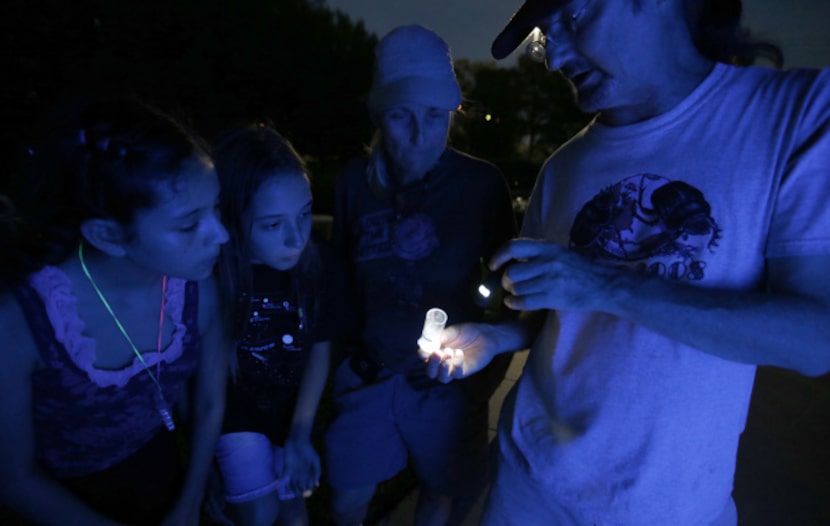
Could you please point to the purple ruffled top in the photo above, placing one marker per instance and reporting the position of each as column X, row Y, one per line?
column 87, row 419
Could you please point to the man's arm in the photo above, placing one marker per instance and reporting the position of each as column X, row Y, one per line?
column 788, row 325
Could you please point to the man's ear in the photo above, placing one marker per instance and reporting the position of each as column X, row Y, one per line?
column 106, row 235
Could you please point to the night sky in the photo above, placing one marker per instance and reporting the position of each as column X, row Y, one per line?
column 469, row 26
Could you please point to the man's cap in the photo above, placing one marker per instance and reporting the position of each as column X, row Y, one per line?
column 523, row 21
column 413, row 65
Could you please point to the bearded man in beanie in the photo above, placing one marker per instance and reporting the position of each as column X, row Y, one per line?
column 414, row 219
column 678, row 241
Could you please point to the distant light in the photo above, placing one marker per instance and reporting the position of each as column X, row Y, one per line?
column 488, row 117
column 484, row 291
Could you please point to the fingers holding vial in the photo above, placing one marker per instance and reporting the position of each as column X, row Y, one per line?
column 443, row 363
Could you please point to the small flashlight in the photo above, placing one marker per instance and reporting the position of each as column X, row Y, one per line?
column 489, row 284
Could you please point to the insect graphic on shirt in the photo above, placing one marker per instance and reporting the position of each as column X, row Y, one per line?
column 642, row 217
column 681, row 211
column 597, row 229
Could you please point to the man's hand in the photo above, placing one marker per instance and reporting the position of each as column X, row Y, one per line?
column 544, row 275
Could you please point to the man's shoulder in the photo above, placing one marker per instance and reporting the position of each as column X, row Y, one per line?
column 780, row 82
column 575, row 146
column 808, row 82
column 798, row 97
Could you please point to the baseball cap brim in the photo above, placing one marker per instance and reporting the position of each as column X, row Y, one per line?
column 523, row 21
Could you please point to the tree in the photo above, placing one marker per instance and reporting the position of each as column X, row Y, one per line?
column 547, row 108
column 515, row 117
column 487, row 125
column 295, row 61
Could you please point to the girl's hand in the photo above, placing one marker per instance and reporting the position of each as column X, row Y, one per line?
column 302, row 466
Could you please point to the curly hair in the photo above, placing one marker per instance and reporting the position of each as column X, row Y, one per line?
column 718, row 34
column 105, row 158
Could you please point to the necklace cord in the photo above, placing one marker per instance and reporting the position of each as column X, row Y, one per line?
column 165, row 413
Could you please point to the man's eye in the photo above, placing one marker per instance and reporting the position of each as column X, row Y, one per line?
column 189, row 228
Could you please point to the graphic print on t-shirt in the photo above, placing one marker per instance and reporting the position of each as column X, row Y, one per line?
column 649, row 223
column 271, row 353
column 383, row 234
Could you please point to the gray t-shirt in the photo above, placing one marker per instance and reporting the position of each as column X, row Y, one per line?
column 620, row 424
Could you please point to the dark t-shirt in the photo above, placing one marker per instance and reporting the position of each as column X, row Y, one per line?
column 419, row 246
column 278, row 335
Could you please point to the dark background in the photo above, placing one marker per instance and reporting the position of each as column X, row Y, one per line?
column 307, row 68
column 215, row 63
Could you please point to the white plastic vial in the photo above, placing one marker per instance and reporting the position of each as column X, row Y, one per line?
column 430, row 340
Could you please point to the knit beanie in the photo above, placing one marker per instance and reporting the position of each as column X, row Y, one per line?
column 413, row 65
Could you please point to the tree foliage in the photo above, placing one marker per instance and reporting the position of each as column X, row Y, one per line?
column 295, row 61
column 520, row 112
column 304, row 66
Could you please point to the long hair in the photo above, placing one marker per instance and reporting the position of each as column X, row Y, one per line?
column 245, row 158
column 101, row 159
column 718, row 34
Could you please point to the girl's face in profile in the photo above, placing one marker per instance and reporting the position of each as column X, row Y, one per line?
column 180, row 236
column 280, row 219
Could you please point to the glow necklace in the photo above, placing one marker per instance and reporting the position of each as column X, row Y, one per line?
column 161, row 403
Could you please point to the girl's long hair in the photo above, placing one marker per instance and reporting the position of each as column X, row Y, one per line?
column 245, row 158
